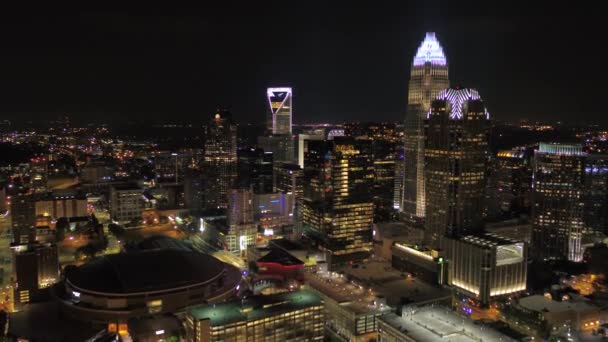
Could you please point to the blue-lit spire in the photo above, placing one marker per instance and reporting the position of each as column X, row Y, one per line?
column 430, row 51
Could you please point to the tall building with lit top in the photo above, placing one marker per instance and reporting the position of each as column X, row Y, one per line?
column 279, row 102
column 428, row 76
column 220, row 159
column 558, row 202
column 456, row 151
column 337, row 209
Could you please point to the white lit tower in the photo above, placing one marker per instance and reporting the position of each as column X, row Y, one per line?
column 279, row 101
column 429, row 75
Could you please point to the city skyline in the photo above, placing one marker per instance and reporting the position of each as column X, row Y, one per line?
column 306, row 173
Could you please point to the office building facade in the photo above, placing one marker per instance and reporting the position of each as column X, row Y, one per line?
column 596, row 193
column 337, row 209
column 126, row 202
column 281, row 147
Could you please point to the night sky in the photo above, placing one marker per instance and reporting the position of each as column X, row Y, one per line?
column 345, row 62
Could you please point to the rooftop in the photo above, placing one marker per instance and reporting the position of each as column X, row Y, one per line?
column 345, row 293
column 144, row 271
column 565, row 149
column 542, row 303
column 489, row 239
column 279, row 256
column 126, row 186
column 440, row 323
column 255, row 307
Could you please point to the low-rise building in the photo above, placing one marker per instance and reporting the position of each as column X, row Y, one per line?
column 291, row 316
column 579, row 315
column 486, row 266
column 433, row 323
column 350, row 309
column 61, row 204
column 424, row 263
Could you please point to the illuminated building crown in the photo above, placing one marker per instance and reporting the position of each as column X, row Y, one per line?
column 457, row 97
column 430, row 51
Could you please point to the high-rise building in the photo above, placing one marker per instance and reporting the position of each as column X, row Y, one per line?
column 273, row 211
column 337, row 209
column 558, row 202
column 596, row 193
column 291, row 316
column 429, row 75
column 511, row 182
column 242, row 228
column 399, row 174
column 194, row 189
column 384, row 176
column 280, row 110
column 35, row 267
column 23, row 211
column 288, row 179
column 456, row 152
column 220, row 159
column 255, row 170
column 126, row 202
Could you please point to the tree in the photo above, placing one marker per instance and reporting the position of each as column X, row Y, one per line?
column 117, row 230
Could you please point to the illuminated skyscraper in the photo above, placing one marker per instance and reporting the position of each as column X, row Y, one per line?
column 558, row 202
column 220, row 159
column 279, row 101
column 456, row 151
column 338, row 206
column 429, row 75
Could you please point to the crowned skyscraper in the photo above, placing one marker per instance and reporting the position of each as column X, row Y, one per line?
column 456, row 150
column 429, row 75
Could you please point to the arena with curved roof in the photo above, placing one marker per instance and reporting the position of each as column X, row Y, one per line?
column 114, row 288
